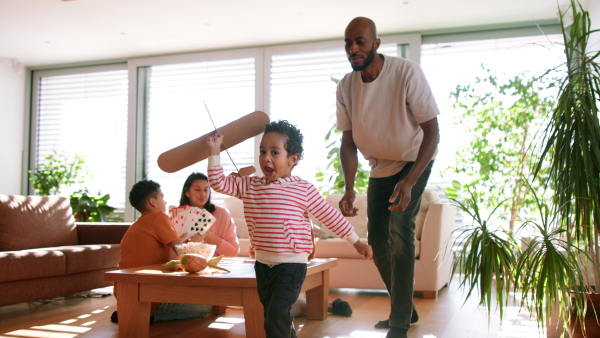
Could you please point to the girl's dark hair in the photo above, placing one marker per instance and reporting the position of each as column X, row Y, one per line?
column 294, row 136
column 141, row 192
column 184, row 200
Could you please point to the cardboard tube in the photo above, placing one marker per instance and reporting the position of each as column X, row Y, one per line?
column 196, row 150
column 245, row 171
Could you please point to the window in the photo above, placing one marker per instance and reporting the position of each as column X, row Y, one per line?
column 178, row 96
column 84, row 111
column 450, row 64
column 303, row 87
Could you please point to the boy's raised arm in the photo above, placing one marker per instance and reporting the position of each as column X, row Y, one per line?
column 214, row 143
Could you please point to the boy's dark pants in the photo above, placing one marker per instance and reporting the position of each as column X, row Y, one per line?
column 278, row 289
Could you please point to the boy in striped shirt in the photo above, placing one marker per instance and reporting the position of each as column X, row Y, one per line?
column 276, row 208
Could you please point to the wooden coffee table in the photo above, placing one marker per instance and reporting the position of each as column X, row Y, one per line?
column 138, row 287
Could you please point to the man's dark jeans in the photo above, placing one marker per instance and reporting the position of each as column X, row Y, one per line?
column 392, row 236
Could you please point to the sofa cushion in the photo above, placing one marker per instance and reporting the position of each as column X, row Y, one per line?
column 101, row 233
column 359, row 222
column 427, row 199
column 235, row 206
column 31, row 264
column 29, row 222
column 81, row 258
column 336, row 247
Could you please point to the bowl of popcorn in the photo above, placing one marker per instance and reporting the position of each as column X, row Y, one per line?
column 206, row 250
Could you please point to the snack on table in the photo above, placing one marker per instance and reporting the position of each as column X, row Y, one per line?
column 174, row 265
column 194, row 262
column 206, row 250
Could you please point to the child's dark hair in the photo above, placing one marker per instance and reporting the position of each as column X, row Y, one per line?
column 294, row 136
column 141, row 192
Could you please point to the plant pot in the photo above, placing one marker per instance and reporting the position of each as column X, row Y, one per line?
column 592, row 328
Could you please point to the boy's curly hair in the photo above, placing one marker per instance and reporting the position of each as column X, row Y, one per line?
column 294, row 136
column 141, row 192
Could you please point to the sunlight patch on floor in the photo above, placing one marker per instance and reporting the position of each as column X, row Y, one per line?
column 65, row 329
column 518, row 323
column 230, row 320
column 39, row 334
column 61, row 328
column 367, row 334
column 225, row 323
column 221, row 326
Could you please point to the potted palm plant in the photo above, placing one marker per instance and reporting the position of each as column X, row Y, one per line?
column 570, row 140
column 549, row 273
column 487, row 253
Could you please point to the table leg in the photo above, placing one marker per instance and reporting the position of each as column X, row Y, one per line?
column 134, row 316
column 253, row 314
column 318, row 297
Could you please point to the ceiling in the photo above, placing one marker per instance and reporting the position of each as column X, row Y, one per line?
column 55, row 32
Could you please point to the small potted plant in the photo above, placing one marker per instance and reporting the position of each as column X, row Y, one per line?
column 90, row 208
column 59, row 170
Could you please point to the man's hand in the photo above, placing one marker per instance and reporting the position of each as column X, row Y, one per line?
column 347, row 204
column 214, row 143
column 364, row 250
column 402, row 190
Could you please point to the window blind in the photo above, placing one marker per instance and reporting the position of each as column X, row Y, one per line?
column 86, row 114
column 176, row 114
column 303, row 87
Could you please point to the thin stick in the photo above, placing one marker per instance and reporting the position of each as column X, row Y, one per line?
column 213, row 123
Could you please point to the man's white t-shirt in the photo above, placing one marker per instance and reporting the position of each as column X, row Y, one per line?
column 384, row 115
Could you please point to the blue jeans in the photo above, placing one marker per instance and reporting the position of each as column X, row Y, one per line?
column 392, row 236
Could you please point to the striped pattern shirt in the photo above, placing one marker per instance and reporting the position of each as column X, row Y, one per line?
column 277, row 214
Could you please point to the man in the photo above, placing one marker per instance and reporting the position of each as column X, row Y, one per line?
column 386, row 110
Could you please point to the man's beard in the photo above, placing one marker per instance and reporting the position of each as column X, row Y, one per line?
column 367, row 62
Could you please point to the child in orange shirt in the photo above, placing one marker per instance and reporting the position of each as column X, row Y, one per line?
column 150, row 240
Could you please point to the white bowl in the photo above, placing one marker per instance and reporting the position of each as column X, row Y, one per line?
column 206, row 250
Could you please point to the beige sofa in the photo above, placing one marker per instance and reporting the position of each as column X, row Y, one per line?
column 435, row 224
column 45, row 254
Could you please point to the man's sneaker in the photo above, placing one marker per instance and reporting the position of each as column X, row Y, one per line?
column 385, row 324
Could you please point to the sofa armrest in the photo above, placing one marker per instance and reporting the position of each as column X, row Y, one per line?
column 437, row 233
column 101, row 232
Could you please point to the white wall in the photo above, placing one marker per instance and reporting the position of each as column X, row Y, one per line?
column 12, row 106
